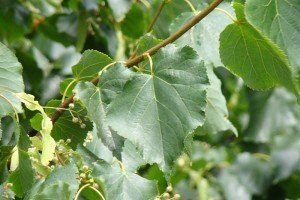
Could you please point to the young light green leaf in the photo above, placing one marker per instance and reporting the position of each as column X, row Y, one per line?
column 204, row 36
column 158, row 109
column 48, row 142
column 11, row 81
column 279, row 21
column 246, row 53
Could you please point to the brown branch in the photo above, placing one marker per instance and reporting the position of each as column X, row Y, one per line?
column 131, row 62
column 176, row 35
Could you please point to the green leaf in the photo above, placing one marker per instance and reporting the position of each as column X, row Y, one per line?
column 90, row 64
column 90, row 96
column 246, row 53
column 204, row 36
column 279, row 21
column 112, row 82
column 158, row 109
column 96, row 148
column 64, row 128
column 36, row 122
column 66, row 87
column 120, row 184
column 216, row 110
column 48, row 142
column 23, row 177
column 132, row 157
column 62, row 184
column 135, row 22
column 96, row 98
column 10, row 82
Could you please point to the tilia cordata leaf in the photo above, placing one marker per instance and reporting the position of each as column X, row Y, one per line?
column 253, row 57
column 162, row 105
column 11, row 81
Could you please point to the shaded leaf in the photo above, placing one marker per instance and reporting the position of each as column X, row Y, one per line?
column 23, row 177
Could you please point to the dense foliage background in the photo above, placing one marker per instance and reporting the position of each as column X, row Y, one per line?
column 247, row 148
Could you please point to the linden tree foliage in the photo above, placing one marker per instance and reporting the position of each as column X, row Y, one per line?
column 149, row 99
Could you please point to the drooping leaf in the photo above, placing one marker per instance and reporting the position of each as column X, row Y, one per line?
column 10, row 82
column 120, row 184
column 216, row 110
column 246, row 53
column 279, row 21
column 90, row 96
column 204, row 36
column 158, row 109
column 48, row 142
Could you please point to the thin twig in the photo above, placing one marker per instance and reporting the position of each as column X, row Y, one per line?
column 196, row 19
column 160, row 7
column 131, row 62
